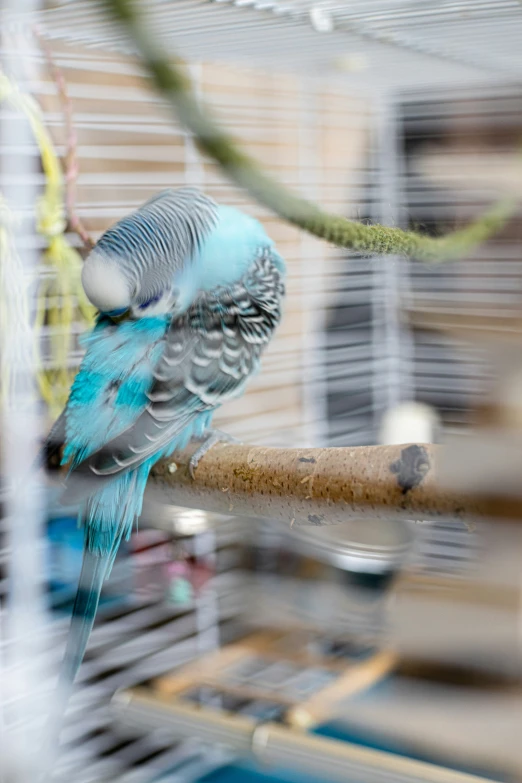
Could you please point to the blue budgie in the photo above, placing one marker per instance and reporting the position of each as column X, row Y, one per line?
column 189, row 295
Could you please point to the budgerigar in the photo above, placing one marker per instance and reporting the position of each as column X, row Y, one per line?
column 189, row 295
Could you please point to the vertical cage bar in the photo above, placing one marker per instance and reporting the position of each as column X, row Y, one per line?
column 313, row 338
column 393, row 372
column 23, row 664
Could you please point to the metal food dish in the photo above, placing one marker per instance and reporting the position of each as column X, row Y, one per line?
column 365, row 545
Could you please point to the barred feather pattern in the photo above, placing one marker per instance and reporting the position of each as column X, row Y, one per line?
column 160, row 237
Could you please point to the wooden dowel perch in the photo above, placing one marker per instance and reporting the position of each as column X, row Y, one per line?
column 317, row 486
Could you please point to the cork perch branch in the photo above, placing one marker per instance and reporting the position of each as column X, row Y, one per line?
column 319, row 486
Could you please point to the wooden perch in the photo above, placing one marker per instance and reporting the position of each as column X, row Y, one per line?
column 319, row 486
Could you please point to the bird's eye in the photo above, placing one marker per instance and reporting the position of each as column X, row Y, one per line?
column 144, row 305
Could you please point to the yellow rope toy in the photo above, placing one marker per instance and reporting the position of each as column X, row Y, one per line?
column 57, row 290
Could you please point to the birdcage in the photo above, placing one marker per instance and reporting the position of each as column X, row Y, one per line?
column 383, row 111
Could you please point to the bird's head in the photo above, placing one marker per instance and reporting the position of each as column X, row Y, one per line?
column 142, row 265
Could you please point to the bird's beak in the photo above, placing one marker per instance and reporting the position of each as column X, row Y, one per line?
column 119, row 315
column 119, row 318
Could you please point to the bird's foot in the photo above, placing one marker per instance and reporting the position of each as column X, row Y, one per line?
column 211, row 438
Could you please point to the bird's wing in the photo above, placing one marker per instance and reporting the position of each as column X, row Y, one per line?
column 110, row 391
column 209, row 354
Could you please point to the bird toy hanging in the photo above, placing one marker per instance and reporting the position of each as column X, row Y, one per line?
column 60, row 299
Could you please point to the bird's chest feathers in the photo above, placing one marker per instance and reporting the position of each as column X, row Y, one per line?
column 111, row 388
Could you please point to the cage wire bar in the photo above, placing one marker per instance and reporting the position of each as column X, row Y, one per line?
column 207, row 603
column 24, row 669
column 392, row 369
column 313, row 331
column 374, row 43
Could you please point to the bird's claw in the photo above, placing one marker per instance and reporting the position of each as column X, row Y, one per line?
column 212, row 437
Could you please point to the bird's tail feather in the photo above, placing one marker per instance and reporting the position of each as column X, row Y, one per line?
column 94, row 570
column 93, row 573
column 119, row 500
